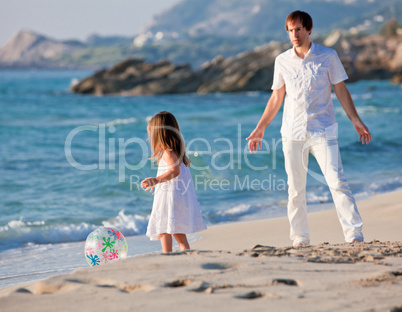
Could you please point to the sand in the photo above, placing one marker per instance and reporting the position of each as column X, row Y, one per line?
column 247, row 266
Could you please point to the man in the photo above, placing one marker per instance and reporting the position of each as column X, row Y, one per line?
column 305, row 74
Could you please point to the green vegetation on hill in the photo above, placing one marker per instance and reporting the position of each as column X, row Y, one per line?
column 194, row 50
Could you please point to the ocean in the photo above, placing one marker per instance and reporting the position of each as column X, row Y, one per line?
column 70, row 163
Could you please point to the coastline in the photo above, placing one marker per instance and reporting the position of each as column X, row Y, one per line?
column 224, row 271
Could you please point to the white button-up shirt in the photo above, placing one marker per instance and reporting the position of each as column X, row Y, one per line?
column 308, row 105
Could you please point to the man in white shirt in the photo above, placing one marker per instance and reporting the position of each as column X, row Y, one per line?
column 305, row 74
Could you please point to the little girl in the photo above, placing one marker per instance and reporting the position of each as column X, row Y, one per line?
column 175, row 210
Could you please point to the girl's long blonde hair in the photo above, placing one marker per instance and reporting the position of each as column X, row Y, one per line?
column 164, row 134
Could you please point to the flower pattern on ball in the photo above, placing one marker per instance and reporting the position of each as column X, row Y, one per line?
column 105, row 245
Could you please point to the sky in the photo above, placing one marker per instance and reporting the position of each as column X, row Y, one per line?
column 77, row 19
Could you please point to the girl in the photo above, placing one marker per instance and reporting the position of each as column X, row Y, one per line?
column 175, row 210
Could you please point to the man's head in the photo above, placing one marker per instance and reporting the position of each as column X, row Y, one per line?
column 299, row 26
column 302, row 17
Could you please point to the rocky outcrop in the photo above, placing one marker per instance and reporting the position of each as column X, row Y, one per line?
column 372, row 57
column 250, row 71
column 28, row 49
column 134, row 76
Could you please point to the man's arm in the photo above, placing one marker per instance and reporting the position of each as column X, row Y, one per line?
column 344, row 97
column 272, row 108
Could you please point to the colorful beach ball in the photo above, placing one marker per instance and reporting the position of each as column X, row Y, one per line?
column 105, row 245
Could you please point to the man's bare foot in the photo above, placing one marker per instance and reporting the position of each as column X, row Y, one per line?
column 299, row 244
column 356, row 241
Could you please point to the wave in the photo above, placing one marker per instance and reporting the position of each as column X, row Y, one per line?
column 128, row 224
column 321, row 197
column 18, row 233
column 254, row 93
column 236, row 212
column 370, row 110
column 381, row 186
column 120, row 121
column 243, row 212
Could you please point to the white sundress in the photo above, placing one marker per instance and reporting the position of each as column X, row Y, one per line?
column 175, row 209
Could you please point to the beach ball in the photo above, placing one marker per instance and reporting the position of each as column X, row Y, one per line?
column 105, row 245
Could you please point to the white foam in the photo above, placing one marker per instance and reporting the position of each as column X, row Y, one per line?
column 18, row 233
column 318, row 198
column 382, row 186
column 128, row 224
column 253, row 93
column 121, row 121
column 74, row 82
column 243, row 211
column 236, row 211
column 370, row 109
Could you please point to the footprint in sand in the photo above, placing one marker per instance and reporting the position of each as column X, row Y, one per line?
column 218, row 266
column 251, row 295
column 178, row 283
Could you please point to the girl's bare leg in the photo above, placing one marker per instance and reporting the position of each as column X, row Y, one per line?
column 166, row 242
column 182, row 241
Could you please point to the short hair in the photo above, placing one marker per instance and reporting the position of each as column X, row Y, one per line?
column 301, row 16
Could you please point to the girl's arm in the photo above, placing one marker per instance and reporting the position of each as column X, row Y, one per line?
column 173, row 163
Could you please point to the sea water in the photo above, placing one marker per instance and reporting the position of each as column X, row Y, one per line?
column 70, row 163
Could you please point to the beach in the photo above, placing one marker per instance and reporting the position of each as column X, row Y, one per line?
column 243, row 266
column 68, row 169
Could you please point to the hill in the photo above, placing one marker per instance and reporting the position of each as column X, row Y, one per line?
column 28, row 49
column 256, row 17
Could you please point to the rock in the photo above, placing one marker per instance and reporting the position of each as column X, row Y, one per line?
column 396, row 61
column 134, row 76
column 249, row 71
column 397, row 79
column 371, row 57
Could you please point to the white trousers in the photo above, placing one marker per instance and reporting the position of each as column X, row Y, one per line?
column 326, row 152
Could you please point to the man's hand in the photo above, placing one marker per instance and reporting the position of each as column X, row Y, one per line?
column 272, row 108
column 344, row 97
column 254, row 140
column 363, row 131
